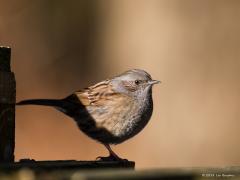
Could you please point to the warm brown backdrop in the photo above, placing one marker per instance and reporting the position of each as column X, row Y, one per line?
column 192, row 46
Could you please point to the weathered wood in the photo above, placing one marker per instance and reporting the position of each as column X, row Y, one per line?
column 65, row 165
column 7, row 107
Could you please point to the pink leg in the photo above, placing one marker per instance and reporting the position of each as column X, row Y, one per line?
column 112, row 154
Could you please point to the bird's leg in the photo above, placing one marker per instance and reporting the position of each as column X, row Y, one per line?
column 112, row 155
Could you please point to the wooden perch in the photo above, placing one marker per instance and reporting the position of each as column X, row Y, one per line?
column 7, row 107
column 65, row 165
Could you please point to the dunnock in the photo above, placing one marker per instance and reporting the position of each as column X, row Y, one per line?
column 110, row 111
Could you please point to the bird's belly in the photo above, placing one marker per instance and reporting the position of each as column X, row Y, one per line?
column 114, row 124
column 130, row 125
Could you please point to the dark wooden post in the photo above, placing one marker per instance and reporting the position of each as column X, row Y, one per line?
column 7, row 107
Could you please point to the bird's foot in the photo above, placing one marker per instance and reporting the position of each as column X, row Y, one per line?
column 111, row 158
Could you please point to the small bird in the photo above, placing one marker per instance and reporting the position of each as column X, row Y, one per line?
column 111, row 111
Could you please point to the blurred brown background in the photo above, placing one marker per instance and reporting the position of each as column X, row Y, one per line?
column 192, row 46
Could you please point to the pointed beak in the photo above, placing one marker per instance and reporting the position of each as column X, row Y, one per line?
column 152, row 82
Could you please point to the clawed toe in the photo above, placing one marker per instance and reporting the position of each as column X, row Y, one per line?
column 110, row 158
column 100, row 158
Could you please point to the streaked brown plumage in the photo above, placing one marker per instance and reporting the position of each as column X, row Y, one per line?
column 110, row 111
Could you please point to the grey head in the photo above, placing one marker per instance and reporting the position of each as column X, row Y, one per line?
column 136, row 83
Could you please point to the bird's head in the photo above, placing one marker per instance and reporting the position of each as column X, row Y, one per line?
column 136, row 83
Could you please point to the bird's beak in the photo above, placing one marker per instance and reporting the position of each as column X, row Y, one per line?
column 152, row 82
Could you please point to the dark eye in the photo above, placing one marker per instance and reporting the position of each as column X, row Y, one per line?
column 137, row 82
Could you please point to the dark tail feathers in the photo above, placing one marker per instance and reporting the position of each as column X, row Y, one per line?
column 44, row 102
column 63, row 105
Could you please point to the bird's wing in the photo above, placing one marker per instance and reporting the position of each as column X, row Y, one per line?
column 95, row 95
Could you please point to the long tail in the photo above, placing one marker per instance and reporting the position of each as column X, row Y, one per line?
column 62, row 105
column 44, row 102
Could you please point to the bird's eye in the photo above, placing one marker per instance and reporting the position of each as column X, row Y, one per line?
column 137, row 82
